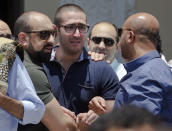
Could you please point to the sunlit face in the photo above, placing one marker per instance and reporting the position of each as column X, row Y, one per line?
column 40, row 42
column 72, row 42
column 103, row 40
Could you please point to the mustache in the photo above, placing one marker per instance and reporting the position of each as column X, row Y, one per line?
column 99, row 51
column 75, row 39
column 48, row 45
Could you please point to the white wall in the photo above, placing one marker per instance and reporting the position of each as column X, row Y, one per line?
column 159, row 8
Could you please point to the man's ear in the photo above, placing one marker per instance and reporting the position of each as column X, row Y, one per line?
column 54, row 27
column 131, row 37
column 22, row 37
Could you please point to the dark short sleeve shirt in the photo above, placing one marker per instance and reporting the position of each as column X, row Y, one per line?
column 148, row 84
column 42, row 87
column 84, row 80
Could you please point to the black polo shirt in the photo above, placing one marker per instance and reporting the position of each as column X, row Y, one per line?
column 84, row 80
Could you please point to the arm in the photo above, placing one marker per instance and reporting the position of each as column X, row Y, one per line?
column 85, row 119
column 109, row 86
column 100, row 105
column 12, row 106
column 22, row 96
column 109, row 105
column 68, row 113
column 54, row 118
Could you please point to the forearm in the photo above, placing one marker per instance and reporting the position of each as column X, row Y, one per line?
column 109, row 105
column 54, row 118
column 12, row 106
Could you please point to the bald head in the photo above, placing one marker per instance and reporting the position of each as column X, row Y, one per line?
column 142, row 20
column 4, row 28
column 146, row 25
column 30, row 21
column 105, row 26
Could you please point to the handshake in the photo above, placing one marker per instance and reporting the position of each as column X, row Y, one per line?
column 97, row 106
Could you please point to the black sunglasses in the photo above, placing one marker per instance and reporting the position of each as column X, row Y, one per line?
column 107, row 41
column 44, row 34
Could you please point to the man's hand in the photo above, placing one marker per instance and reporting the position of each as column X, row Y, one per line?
column 98, row 105
column 68, row 113
column 96, row 56
column 70, row 124
column 83, row 120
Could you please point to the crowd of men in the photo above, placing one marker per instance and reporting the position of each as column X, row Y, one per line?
column 67, row 86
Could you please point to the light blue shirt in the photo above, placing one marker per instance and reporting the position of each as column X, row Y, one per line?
column 20, row 87
column 118, row 68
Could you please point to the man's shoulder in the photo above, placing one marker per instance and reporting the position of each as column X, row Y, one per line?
column 98, row 64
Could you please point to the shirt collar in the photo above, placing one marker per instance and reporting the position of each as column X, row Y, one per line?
column 132, row 65
column 84, row 55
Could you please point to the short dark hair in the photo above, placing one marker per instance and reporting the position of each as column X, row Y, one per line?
column 66, row 7
column 115, row 27
column 125, row 117
column 22, row 24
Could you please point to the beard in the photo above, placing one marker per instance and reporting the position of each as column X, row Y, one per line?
column 40, row 56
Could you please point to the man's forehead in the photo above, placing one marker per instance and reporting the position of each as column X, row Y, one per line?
column 73, row 15
column 106, row 31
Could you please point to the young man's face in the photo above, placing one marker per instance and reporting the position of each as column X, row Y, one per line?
column 72, row 31
column 103, row 40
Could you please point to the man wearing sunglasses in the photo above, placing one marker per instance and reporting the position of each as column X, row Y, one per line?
column 103, row 40
column 148, row 82
column 75, row 78
column 36, row 33
column 19, row 102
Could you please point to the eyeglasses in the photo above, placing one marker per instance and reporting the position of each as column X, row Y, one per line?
column 45, row 34
column 71, row 28
column 107, row 41
column 9, row 36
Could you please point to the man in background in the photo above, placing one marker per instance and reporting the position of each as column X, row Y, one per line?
column 103, row 39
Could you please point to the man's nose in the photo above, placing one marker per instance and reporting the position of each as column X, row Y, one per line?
column 76, row 33
column 102, row 45
column 51, row 39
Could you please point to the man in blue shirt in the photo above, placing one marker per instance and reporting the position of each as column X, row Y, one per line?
column 20, row 103
column 148, row 82
column 75, row 78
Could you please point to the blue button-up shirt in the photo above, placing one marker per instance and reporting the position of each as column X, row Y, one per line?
column 20, row 87
column 148, row 84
